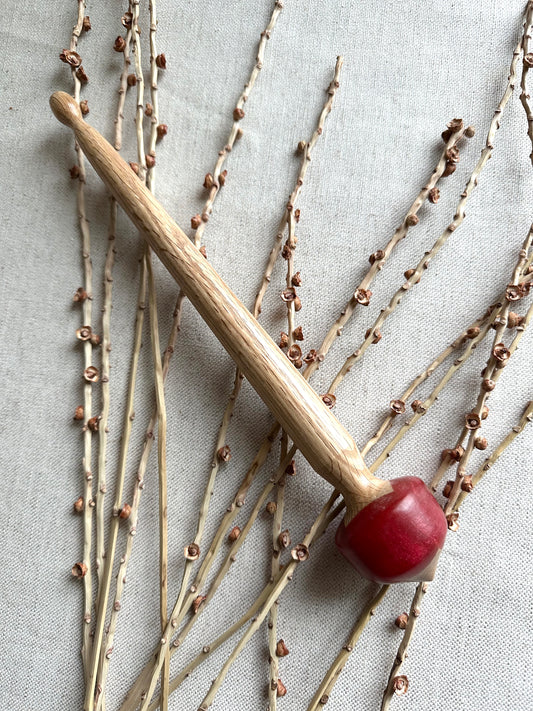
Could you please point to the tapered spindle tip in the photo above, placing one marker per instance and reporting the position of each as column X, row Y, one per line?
column 65, row 108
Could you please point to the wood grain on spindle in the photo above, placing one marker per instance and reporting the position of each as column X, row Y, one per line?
column 323, row 441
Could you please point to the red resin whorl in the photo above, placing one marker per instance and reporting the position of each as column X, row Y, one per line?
column 396, row 537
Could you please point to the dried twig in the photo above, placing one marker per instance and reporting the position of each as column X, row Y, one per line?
column 525, row 97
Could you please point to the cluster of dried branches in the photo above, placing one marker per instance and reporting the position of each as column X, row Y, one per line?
column 101, row 611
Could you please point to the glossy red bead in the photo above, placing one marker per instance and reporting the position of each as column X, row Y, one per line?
column 397, row 536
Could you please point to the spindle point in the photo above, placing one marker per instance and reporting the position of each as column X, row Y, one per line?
column 65, row 108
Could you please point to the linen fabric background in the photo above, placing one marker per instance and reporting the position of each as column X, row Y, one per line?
column 409, row 68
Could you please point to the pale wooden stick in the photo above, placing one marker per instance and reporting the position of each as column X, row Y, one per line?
column 525, row 97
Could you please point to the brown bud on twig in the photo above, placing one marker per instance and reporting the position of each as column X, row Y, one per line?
column 286, row 252
column 120, row 44
column 238, row 113
column 197, row 603
column 296, row 279
column 448, row 489
column 449, row 169
column 446, row 454
column 294, row 353
column 92, row 423
column 161, row 61
column 78, row 413
column 149, row 110
column 196, row 221
column 127, row 19
column 446, row 135
column 79, row 570
column 473, row 332
column 514, row 292
column 234, row 534
column 271, row 507
column 84, row 107
column 281, row 649
column 95, row 339
column 284, row 340
column 488, row 385
column 134, row 167
column 418, row 406
column 290, row 469
column 376, row 335
column 300, row 148
column 222, row 177
column 400, row 685
column 91, row 374
column 408, row 273
column 82, row 76
column 79, row 505
column 75, row 172
column 281, row 689
column 150, row 160
column 397, row 406
column 224, row 453
column 467, row 484
column 329, row 400
column 412, row 220
column 203, row 251
column 298, row 333
column 481, row 443
column 284, row 539
column 514, row 320
column 455, row 125
column 162, row 131
column 453, row 521
column 125, row 512
column 132, row 80
column 402, row 620
column 289, row 295
column 79, row 295
column 70, row 57
column 457, row 453
column 83, row 333
column 452, row 155
column 362, row 296
column 484, row 412
column 192, row 551
column 501, row 353
column 470, row 131
column 297, row 304
column 472, row 421
column 86, row 25
column 434, row 196
column 300, row 552
column 208, row 181
column 311, row 356
column 376, row 256
column 528, row 59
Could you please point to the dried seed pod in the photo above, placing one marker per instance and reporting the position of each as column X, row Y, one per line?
column 300, row 552
column 488, row 385
column 434, row 196
column 329, row 400
column 79, row 295
column 412, row 220
column 402, row 620
column 281, row 689
column 501, row 353
column 192, row 551
column 473, row 332
column 132, row 80
column 447, row 490
column 150, row 160
column 455, row 125
column 481, row 443
column 514, row 292
column 298, row 334
column 86, row 25
column 311, row 356
column 78, row 413
column 271, row 507
column 472, row 421
column 362, row 296
column 134, row 167
column 79, row 505
column 84, row 333
column 196, row 221
column 120, row 44
column 417, row 406
column 162, row 131
column 284, row 340
column 127, row 19
column 484, row 412
column 234, row 534
column 84, row 107
column 74, row 172
column 453, row 521
column 238, row 113
column 514, row 320
column 401, row 685
column 376, row 256
column 149, row 110
column 528, row 59
column 91, row 374
column 449, row 169
column 284, row 539
column 125, row 512
column 95, row 339
column 92, row 423
column 290, row 469
column 296, row 279
column 281, row 649
column 197, row 603
column 376, row 335
column 294, row 353
column 397, row 406
column 452, row 155
column 466, row 484
column 70, row 57
column 161, row 61
column 79, row 570
column 224, row 453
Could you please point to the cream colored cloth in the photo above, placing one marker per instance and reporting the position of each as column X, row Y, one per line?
column 409, row 68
